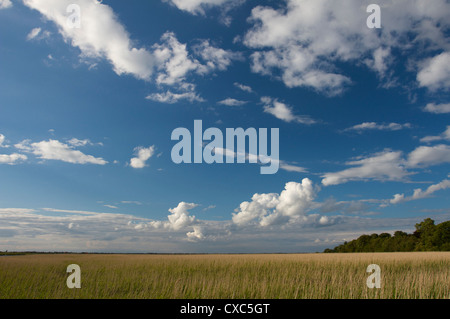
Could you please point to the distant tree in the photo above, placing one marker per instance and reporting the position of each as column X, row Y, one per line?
column 441, row 236
column 426, row 237
column 425, row 232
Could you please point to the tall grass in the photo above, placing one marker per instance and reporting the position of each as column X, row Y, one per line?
column 403, row 275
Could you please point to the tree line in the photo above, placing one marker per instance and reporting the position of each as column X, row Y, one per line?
column 426, row 237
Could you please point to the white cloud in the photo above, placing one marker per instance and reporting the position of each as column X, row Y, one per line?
column 131, row 202
column 179, row 217
column 78, row 231
column 228, row 153
column 381, row 60
column 215, row 58
column 303, row 42
column 101, row 35
column 232, row 102
column 12, row 158
column 243, row 87
column 296, row 71
column 174, row 62
column 291, row 204
column 209, row 207
column 444, row 136
column 4, row 4
column 387, row 165
column 33, row 33
column 380, row 127
column 429, row 155
column 437, row 108
column 143, row 155
column 111, row 206
column 196, row 6
column 56, row 150
column 2, row 140
column 197, row 234
column 77, row 142
column 419, row 193
column 170, row 98
column 435, row 74
column 292, row 168
column 283, row 112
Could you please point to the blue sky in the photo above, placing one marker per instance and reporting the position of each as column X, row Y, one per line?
column 87, row 115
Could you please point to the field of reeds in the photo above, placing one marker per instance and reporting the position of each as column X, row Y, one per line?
column 273, row 276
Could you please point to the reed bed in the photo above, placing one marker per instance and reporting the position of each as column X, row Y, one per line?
column 419, row 275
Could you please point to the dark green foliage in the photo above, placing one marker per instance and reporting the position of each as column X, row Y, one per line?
column 426, row 237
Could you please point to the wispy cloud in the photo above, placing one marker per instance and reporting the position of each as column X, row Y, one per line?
column 56, row 150
column 172, row 98
column 232, row 102
column 437, row 108
column 243, row 87
column 419, row 193
column 386, row 165
column 367, row 126
column 284, row 112
column 444, row 136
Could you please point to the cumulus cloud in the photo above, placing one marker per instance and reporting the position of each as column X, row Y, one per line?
column 419, row 193
column 435, row 74
column 101, row 35
column 12, row 159
column 4, row 4
column 283, row 112
column 142, row 156
column 179, row 217
column 437, row 108
column 291, row 204
column 56, row 150
column 303, row 42
column 232, row 102
column 78, row 231
column 444, row 136
column 387, row 165
column 174, row 60
column 196, row 234
column 379, row 127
